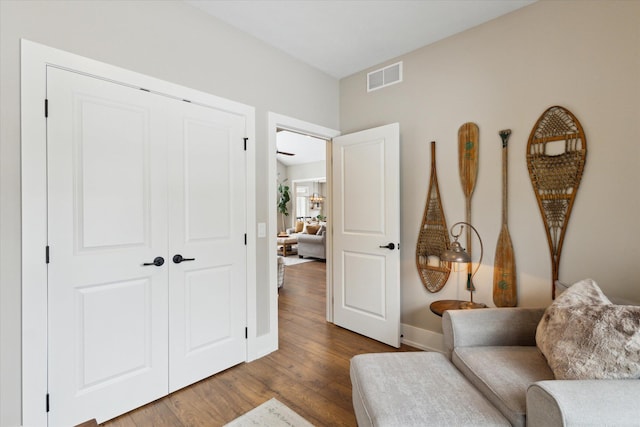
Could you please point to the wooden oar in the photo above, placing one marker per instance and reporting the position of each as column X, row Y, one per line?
column 433, row 238
column 504, row 268
column 468, row 165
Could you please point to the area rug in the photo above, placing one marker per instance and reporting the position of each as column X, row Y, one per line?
column 295, row 260
column 271, row 413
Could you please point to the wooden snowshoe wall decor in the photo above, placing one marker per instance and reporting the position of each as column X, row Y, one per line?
column 556, row 155
column 433, row 238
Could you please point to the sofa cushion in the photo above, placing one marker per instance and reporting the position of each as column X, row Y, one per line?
column 416, row 389
column 584, row 336
column 299, row 226
column 502, row 374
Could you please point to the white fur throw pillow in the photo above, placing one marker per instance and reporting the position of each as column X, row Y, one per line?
column 584, row 336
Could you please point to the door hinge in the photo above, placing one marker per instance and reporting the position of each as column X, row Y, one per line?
column 246, row 333
column 245, row 239
column 46, row 254
column 245, row 143
column 46, row 108
column 47, row 402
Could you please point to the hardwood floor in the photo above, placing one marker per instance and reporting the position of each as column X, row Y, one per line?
column 309, row 373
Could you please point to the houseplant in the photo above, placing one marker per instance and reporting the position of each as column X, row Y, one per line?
column 283, row 199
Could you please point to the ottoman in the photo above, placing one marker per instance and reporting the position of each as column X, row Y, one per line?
column 416, row 389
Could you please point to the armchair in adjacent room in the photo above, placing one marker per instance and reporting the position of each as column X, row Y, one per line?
column 312, row 245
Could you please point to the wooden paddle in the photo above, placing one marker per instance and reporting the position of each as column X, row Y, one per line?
column 504, row 268
column 468, row 165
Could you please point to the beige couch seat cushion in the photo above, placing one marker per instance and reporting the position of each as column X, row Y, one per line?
column 416, row 389
column 584, row 336
column 503, row 374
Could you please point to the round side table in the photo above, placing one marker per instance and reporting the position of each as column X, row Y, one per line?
column 439, row 307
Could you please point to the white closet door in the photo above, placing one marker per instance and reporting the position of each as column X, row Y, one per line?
column 135, row 177
column 207, row 217
column 107, row 216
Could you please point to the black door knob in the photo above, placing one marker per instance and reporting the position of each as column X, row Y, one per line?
column 157, row 261
column 179, row 258
column 389, row 246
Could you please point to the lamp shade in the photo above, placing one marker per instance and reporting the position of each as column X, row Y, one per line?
column 455, row 254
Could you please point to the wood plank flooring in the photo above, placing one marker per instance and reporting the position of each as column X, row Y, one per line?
column 309, row 373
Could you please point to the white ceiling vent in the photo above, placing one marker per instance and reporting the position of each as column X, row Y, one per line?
column 383, row 77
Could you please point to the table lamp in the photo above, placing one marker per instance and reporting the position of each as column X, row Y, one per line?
column 457, row 254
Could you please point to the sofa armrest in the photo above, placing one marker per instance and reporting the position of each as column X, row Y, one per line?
column 583, row 402
column 490, row 327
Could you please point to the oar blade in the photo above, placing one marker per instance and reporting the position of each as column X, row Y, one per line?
column 504, row 272
column 468, row 156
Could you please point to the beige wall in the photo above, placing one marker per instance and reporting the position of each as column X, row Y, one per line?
column 169, row 40
column 582, row 55
column 307, row 171
column 304, row 172
column 295, row 173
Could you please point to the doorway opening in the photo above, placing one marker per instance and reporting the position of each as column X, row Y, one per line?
column 312, row 177
column 302, row 170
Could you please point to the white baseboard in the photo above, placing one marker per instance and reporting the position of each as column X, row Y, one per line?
column 422, row 338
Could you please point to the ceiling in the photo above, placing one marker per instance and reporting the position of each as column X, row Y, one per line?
column 342, row 37
column 307, row 149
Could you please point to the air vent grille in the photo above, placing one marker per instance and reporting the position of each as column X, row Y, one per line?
column 384, row 77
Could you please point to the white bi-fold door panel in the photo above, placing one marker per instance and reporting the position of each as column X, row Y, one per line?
column 135, row 178
column 206, row 228
column 106, row 217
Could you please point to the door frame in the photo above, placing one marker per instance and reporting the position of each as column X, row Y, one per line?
column 279, row 121
column 35, row 58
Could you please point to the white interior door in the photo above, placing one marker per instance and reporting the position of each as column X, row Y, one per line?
column 135, row 177
column 366, row 239
column 207, row 217
column 107, row 217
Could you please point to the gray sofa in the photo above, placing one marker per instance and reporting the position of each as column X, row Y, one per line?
column 312, row 245
column 491, row 362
